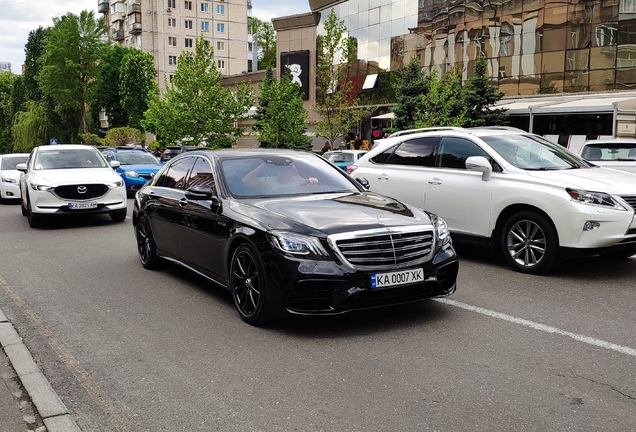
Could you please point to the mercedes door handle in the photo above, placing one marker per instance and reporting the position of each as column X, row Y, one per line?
column 435, row 182
column 183, row 202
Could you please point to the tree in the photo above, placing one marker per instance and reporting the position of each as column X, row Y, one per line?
column 33, row 50
column 136, row 82
column 409, row 87
column 334, row 103
column 263, row 101
column 105, row 91
column 122, row 136
column 480, row 97
column 444, row 104
column 195, row 106
column 69, row 65
column 30, row 127
column 282, row 119
column 6, row 91
column 265, row 38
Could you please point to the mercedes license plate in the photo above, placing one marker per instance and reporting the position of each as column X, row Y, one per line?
column 406, row 277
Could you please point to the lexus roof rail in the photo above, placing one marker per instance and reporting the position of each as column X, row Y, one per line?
column 510, row 128
column 428, row 129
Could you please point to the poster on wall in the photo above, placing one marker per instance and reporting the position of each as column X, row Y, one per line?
column 296, row 63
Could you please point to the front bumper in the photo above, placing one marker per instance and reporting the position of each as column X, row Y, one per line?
column 305, row 287
column 9, row 190
column 44, row 202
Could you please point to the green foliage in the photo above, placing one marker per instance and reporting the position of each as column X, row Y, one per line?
column 334, row 104
column 266, row 41
column 105, row 91
column 6, row 91
column 410, row 85
column 69, row 64
column 29, row 128
column 195, row 106
column 136, row 82
column 122, row 136
column 444, row 104
column 154, row 145
column 34, row 49
column 480, row 96
column 92, row 139
column 282, row 118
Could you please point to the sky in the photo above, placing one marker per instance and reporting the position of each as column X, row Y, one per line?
column 19, row 17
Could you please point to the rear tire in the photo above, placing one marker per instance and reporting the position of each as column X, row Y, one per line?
column 248, row 285
column 146, row 244
column 529, row 243
column 118, row 215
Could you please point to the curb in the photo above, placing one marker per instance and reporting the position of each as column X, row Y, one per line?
column 54, row 413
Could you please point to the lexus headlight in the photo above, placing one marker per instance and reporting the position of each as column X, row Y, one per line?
column 116, row 184
column 441, row 228
column 38, row 187
column 297, row 245
column 600, row 199
column 131, row 174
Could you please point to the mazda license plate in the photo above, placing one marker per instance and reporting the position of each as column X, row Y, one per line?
column 405, row 277
column 82, row 205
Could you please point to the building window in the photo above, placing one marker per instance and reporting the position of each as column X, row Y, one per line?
column 220, row 27
column 220, row 9
column 220, row 46
column 204, row 7
column 172, row 60
column 220, row 64
column 170, row 78
column 172, row 4
column 172, row 22
column 188, row 43
column 188, row 24
column 250, row 47
column 627, row 6
column 249, row 66
column 188, row 5
column 172, row 41
column 249, row 27
column 205, row 26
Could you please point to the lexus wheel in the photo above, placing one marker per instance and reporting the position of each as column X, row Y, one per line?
column 530, row 243
column 146, row 244
column 247, row 282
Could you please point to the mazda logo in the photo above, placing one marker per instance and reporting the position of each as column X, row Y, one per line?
column 81, row 189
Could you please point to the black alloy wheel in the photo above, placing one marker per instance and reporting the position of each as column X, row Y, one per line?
column 247, row 282
column 35, row 220
column 530, row 243
column 146, row 244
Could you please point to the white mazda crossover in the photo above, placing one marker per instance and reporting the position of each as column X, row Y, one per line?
column 10, row 176
column 533, row 201
column 62, row 180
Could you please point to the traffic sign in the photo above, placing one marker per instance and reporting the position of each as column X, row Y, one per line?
column 53, row 141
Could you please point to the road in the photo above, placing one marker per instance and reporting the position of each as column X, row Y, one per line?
column 128, row 349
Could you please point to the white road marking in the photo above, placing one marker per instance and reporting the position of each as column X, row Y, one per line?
column 542, row 327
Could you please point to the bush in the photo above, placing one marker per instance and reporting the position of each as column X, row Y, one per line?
column 92, row 139
column 154, row 145
column 123, row 136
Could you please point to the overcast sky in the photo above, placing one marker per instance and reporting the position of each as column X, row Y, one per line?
column 19, row 17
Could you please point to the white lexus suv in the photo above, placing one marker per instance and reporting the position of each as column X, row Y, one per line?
column 531, row 200
column 61, row 180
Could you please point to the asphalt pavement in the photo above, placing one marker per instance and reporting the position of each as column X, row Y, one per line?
column 27, row 400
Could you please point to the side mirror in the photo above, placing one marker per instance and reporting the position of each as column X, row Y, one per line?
column 199, row 192
column 114, row 164
column 364, row 182
column 22, row 167
column 481, row 164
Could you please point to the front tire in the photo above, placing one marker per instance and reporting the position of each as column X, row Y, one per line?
column 35, row 220
column 529, row 243
column 118, row 215
column 146, row 244
column 248, row 285
column 25, row 212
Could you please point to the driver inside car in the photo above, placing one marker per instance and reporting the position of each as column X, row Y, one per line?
column 285, row 175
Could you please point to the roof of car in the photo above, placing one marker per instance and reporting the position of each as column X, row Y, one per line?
column 64, row 147
column 251, row 152
column 612, row 141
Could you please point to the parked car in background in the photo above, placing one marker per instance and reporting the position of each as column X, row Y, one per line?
column 287, row 233
column 343, row 158
column 615, row 153
column 70, row 179
column 530, row 199
column 170, row 152
column 10, row 176
column 136, row 167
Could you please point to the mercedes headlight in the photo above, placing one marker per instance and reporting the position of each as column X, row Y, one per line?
column 116, row 184
column 131, row 174
column 297, row 245
column 599, row 199
column 441, row 228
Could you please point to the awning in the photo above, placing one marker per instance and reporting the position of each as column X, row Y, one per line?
column 574, row 103
column 384, row 116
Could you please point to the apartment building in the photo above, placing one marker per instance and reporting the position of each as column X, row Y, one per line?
column 165, row 28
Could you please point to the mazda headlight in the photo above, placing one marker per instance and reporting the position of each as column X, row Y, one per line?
column 297, row 245
column 131, row 174
column 39, row 187
column 599, row 199
column 116, row 184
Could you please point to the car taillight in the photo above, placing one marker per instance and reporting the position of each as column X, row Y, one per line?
column 351, row 168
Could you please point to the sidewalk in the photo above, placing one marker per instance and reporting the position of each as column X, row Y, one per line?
column 27, row 400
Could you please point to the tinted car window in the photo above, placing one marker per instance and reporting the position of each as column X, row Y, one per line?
column 201, row 174
column 454, row 151
column 383, row 157
column 175, row 176
column 418, row 152
column 10, row 162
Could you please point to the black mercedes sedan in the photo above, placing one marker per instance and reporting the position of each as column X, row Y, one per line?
column 288, row 233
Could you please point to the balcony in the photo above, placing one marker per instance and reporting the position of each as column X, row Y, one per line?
column 102, row 7
column 118, row 35
column 117, row 16
column 134, row 28
column 134, row 7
